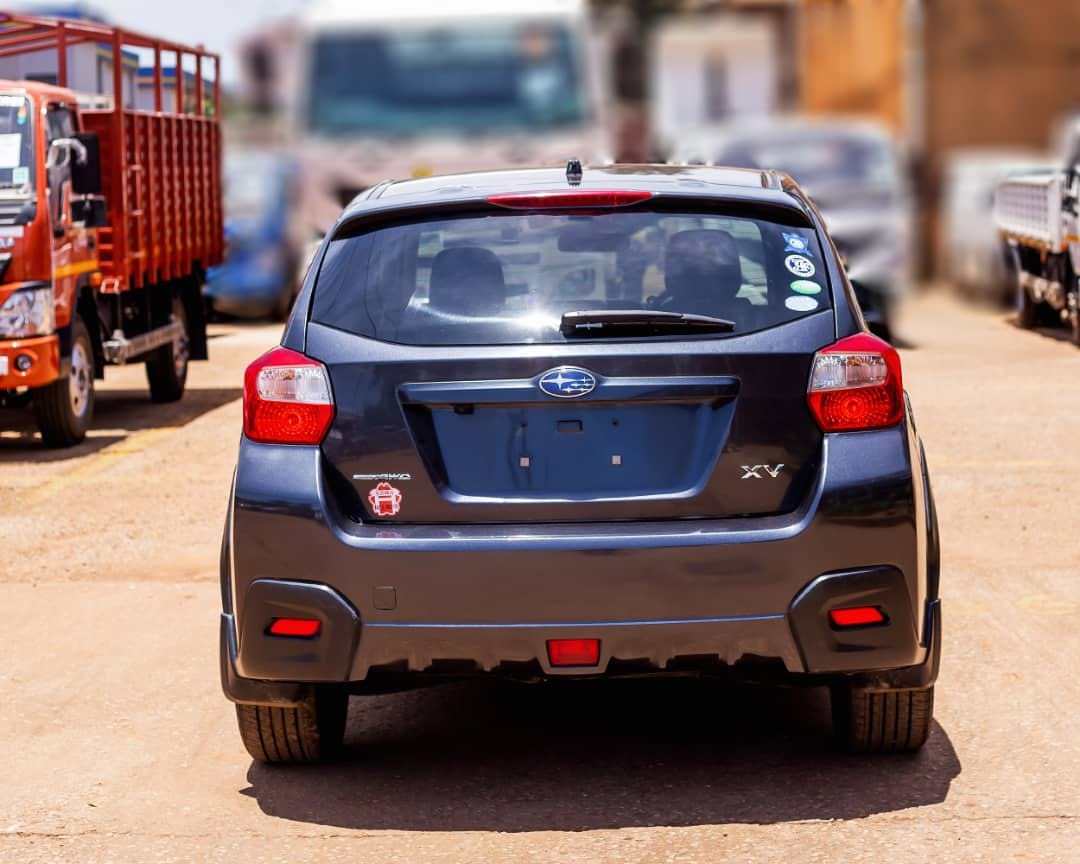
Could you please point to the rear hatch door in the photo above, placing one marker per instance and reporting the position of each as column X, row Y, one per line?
column 459, row 398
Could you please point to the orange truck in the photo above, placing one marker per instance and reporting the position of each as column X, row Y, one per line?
column 110, row 213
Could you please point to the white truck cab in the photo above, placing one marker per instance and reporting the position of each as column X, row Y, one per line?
column 416, row 87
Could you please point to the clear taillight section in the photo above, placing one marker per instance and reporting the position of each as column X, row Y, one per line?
column 856, row 384
column 287, row 399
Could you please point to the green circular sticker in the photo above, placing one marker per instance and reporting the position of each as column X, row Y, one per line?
column 805, row 286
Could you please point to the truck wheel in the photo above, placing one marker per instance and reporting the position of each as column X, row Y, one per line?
column 1026, row 312
column 166, row 368
column 1074, row 316
column 63, row 409
column 882, row 721
column 310, row 732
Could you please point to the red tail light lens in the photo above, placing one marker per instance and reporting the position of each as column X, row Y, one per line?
column 856, row 384
column 590, row 198
column 297, row 628
column 573, row 652
column 856, row 616
column 287, row 399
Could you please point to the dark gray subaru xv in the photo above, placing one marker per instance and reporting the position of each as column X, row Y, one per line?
column 544, row 423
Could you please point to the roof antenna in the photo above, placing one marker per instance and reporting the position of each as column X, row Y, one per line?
column 574, row 172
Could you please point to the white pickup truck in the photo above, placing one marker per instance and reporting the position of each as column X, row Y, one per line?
column 1038, row 215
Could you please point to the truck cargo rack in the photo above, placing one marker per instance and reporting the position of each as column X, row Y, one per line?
column 163, row 179
column 1027, row 210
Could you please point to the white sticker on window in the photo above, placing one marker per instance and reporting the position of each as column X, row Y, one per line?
column 800, row 265
column 801, row 304
column 20, row 176
column 10, row 150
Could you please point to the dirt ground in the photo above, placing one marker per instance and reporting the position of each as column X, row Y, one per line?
column 118, row 745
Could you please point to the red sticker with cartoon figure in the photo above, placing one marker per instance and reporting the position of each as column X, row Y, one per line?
column 385, row 500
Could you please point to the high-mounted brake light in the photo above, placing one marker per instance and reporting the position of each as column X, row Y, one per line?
column 296, row 628
column 573, row 652
column 579, row 199
column 855, row 384
column 856, row 616
column 287, row 399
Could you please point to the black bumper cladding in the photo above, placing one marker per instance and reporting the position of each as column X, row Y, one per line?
column 270, row 668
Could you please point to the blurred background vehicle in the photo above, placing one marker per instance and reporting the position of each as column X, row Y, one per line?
column 648, row 74
column 1038, row 214
column 974, row 258
column 706, row 70
column 258, row 277
column 856, row 177
column 420, row 87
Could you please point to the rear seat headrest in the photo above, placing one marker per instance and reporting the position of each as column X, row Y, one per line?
column 467, row 280
column 702, row 259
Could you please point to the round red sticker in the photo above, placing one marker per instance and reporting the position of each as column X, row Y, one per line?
column 385, row 500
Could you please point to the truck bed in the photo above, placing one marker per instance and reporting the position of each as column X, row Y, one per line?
column 1027, row 209
column 163, row 194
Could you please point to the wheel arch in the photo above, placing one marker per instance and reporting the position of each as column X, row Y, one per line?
column 87, row 309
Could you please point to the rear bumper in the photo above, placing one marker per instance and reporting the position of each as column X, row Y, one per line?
column 44, row 357
column 628, row 647
column 659, row 596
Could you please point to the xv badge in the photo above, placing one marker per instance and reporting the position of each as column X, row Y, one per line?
column 754, row 472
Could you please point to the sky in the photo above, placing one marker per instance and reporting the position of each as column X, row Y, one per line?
column 218, row 24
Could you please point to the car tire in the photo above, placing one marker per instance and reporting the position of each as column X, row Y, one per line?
column 64, row 408
column 167, row 366
column 310, row 732
column 882, row 721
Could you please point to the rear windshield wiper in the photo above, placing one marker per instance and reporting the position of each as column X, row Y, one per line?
column 638, row 322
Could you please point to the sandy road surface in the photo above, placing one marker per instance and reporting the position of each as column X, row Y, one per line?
column 117, row 745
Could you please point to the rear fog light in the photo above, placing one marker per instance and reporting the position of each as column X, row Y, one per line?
column 296, row 628
column 856, row 616
column 573, row 652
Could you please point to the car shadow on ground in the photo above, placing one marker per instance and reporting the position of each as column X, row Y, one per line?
column 575, row 756
column 117, row 414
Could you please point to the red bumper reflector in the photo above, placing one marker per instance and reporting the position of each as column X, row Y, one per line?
column 856, row 616
column 573, row 652
column 299, row 628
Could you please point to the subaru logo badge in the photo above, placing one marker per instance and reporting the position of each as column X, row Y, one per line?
column 567, row 382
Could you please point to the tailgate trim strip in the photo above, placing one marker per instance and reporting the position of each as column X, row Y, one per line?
column 696, row 388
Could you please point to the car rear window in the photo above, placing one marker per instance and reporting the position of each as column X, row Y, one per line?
column 508, row 278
